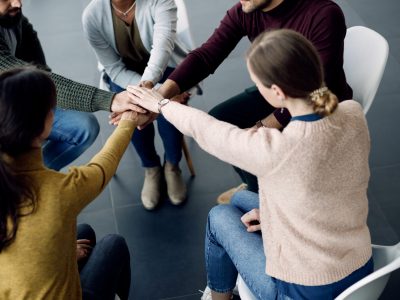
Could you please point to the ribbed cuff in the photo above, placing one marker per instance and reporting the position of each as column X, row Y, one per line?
column 102, row 100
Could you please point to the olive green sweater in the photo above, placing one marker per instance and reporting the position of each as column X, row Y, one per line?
column 41, row 262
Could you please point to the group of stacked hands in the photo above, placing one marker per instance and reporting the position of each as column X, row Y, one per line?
column 136, row 44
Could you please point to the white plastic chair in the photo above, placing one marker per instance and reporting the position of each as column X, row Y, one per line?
column 364, row 60
column 184, row 34
column 386, row 260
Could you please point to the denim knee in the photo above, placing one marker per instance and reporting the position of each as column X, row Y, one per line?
column 89, row 129
column 218, row 215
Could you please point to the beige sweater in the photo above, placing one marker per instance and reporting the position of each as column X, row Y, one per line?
column 313, row 180
column 41, row 262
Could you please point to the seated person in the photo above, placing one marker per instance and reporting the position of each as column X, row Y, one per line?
column 313, row 178
column 135, row 43
column 321, row 21
column 39, row 206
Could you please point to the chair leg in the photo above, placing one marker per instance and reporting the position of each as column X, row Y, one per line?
column 188, row 157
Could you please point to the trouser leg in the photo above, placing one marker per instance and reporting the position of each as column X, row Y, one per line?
column 107, row 271
column 244, row 110
column 172, row 140
column 229, row 248
column 72, row 133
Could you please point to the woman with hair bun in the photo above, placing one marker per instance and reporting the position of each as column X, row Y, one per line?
column 305, row 235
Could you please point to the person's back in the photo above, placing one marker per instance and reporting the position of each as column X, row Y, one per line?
column 41, row 261
column 309, row 169
column 38, row 247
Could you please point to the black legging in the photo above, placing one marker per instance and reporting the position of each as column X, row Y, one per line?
column 106, row 272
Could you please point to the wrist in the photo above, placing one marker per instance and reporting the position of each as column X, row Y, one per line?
column 260, row 123
column 162, row 103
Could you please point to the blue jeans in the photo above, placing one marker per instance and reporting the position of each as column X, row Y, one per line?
column 107, row 271
column 143, row 140
column 72, row 133
column 231, row 249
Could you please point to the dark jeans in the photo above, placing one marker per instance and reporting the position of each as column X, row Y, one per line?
column 244, row 110
column 143, row 140
column 107, row 271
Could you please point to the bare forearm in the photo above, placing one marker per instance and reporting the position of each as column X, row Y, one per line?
column 169, row 89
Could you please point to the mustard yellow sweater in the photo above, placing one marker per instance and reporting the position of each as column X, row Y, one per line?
column 41, row 262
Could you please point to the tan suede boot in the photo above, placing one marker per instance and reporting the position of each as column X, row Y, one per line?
column 226, row 196
column 176, row 187
column 151, row 187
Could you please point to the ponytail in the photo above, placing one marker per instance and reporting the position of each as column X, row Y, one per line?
column 324, row 101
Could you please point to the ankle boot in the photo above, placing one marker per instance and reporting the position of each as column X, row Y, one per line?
column 151, row 187
column 176, row 187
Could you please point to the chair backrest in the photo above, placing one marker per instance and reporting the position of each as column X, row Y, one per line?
column 185, row 36
column 364, row 61
column 182, row 26
column 386, row 260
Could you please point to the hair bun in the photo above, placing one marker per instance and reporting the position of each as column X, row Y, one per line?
column 324, row 101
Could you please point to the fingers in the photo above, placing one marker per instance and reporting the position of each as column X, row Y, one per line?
column 114, row 118
column 83, row 241
column 137, row 108
column 150, row 119
column 254, row 228
column 252, row 220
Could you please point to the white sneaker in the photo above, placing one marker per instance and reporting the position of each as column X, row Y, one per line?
column 206, row 294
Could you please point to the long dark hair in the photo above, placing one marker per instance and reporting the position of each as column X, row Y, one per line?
column 287, row 59
column 26, row 97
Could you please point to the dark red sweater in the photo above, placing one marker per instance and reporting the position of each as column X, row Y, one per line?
column 321, row 21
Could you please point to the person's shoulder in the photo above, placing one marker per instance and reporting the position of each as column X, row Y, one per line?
column 236, row 10
column 322, row 9
column 351, row 109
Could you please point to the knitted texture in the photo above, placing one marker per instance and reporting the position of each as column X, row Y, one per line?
column 41, row 262
column 313, row 179
column 70, row 94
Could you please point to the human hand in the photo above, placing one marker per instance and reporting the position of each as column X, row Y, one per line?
column 122, row 102
column 140, row 119
column 144, row 97
column 147, row 84
column 83, row 249
column 116, row 117
column 182, row 98
column 252, row 220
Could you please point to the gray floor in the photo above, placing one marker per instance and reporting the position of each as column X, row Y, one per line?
column 167, row 244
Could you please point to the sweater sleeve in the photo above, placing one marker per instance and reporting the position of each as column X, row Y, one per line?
column 103, row 48
column 70, row 94
column 204, row 60
column 249, row 149
column 165, row 20
column 89, row 180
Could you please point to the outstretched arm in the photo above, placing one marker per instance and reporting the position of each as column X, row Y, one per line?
column 249, row 149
